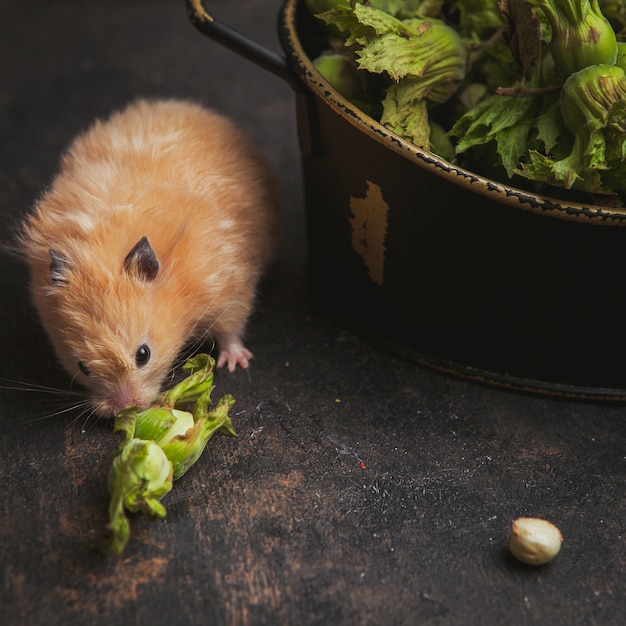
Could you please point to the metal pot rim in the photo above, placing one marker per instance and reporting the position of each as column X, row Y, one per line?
column 512, row 196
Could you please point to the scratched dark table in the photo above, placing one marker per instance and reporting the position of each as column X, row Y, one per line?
column 361, row 489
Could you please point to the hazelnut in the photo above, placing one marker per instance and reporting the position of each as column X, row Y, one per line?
column 534, row 541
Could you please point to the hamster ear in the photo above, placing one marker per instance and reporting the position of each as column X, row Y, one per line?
column 59, row 268
column 142, row 260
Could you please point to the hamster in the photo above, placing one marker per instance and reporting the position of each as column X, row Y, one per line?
column 154, row 233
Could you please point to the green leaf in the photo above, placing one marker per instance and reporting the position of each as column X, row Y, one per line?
column 424, row 49
column 403, row 9
column 346, row 21
column 489, row 118
column 405, row 112
column 157, row 423
column 512, row 143
column 184, row 451
column 379, row 21
column 125, row 422
column 139, row 476
column 562, row 172
column 197, row 383
column 161, row 443
column 592, row 105
column 401, row 48
column 550, row 127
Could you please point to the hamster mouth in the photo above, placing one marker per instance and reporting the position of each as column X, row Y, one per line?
column 112, row 402
column 102, row 408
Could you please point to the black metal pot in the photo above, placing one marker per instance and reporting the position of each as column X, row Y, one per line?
column 441, row 265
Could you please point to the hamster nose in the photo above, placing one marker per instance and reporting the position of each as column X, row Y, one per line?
column 123, row 398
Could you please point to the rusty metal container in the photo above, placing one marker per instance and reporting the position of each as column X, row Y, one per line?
column 441, row 265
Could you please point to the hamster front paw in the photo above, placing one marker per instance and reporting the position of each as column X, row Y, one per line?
column 232, row 353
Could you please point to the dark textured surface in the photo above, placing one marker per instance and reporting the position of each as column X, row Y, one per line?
column 361, row 489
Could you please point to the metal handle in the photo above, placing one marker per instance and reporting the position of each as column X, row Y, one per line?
column 239, row 43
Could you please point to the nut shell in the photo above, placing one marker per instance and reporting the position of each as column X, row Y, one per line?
column 534, row 541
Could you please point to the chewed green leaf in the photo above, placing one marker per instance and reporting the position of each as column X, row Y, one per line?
column 118, row 523
column 562, row 173
column 161, row 424
column 161, row 443
column 405, row 113
column 379, row 21
column 363, row 23
column 490, row 117
column 408, row 8
column 185, row 450
column 191, row 388
column 139, row 476
column 423, row 49
column 425, row 59
column 550, row 127
column 125, row 422
column 345, row 20
column 410, row 47
column 512, row 143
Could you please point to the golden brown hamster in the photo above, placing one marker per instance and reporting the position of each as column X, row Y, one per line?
column 155, row 231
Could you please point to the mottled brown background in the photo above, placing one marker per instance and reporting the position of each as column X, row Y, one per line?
column 282, row 525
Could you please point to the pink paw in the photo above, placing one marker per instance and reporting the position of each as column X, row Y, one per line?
column 233, row 353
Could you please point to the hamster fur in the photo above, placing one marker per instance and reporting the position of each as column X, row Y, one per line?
column 154, row 232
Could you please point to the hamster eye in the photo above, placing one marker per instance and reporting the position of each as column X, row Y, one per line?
column 83, row 368
column 142, row 356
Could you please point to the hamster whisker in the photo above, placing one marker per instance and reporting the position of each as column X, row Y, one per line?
column 87, row 412
column 192, row 347
column 59, row 401
column 197, row 340
column 70, row 408
column 55, row 413
column 20, row 385
column 202, row 336
column 189, row 350
column 208, row 332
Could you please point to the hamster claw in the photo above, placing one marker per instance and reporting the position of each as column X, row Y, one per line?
column 233, row 353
